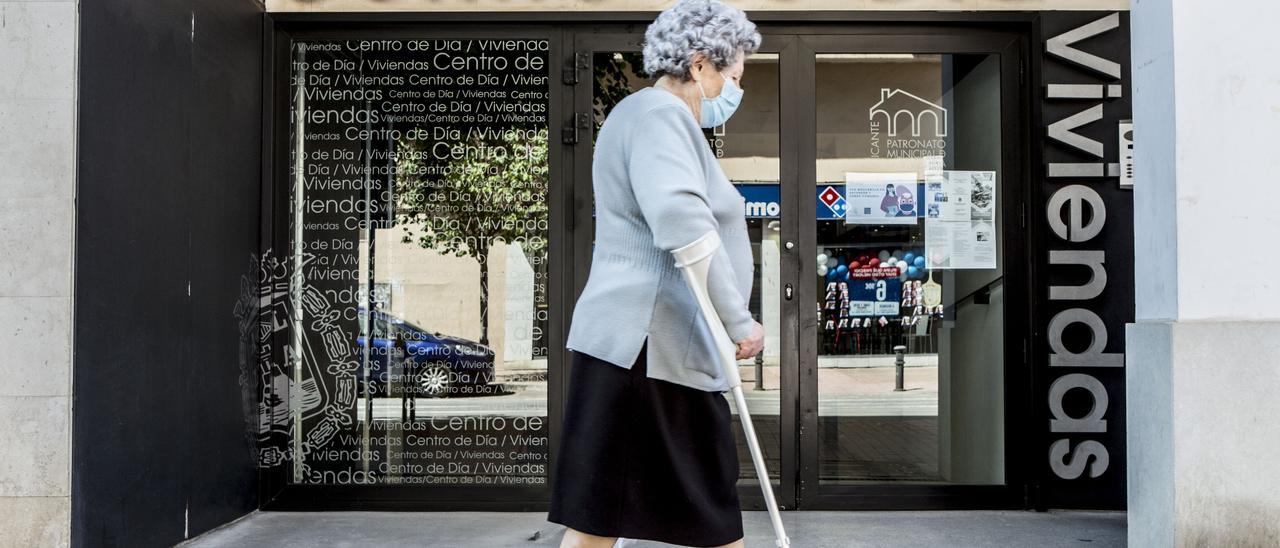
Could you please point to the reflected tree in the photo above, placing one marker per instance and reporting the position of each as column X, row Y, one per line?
column 615, row 76
column 493, row 189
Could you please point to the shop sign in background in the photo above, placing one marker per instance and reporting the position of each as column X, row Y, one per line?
column 870, row 296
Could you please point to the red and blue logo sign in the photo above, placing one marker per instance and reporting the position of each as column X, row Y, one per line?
column 833, row 199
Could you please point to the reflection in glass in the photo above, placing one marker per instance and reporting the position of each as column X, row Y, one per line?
column 418, row 251
column 893, row 278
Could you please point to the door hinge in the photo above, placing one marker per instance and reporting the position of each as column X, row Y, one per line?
column 1022, row 215
column 1022, row 73
column 581, row 61
column 580, row 121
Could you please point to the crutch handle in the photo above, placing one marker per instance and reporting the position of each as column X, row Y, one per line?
column 694, row 260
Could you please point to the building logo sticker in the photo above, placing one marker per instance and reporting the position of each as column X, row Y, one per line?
column 911, row 125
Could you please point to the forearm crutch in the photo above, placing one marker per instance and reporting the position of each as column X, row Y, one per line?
column 694, row 260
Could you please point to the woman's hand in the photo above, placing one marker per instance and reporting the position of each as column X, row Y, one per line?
column 753, row 344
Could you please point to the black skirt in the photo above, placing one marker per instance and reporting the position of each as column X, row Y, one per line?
column 645, row 459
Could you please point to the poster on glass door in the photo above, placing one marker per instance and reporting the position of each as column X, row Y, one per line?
column 875, row 297
column 960, row 220
column 880, row 198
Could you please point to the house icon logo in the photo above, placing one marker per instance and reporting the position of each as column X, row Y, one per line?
column 899, row 112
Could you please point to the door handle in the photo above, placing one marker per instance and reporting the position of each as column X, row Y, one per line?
column 786, row 292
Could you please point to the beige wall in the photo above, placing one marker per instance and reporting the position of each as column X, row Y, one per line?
column 441, row 292
column 37, row 200
column 438, row 292
column 654, row 5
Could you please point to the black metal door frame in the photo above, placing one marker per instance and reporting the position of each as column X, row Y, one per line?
column 1011, row 48
column 796, row 37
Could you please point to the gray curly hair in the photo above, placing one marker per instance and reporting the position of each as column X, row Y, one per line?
column 713, row 28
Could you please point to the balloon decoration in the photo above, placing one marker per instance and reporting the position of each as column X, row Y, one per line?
column 911, row 264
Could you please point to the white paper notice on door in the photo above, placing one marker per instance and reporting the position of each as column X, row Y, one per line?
column 960, row 220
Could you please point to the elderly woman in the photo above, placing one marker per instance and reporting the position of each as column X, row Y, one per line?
column 646, row 451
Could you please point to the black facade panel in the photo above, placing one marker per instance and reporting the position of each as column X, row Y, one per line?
column 1091, row 392
column 225, row 151
column 168, row 198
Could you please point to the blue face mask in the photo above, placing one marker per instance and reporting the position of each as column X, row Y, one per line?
column 716, row 110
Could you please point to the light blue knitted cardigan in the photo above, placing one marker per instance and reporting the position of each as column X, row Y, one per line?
column 658, row 186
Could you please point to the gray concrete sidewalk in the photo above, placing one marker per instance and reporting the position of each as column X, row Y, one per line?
column 806, row 529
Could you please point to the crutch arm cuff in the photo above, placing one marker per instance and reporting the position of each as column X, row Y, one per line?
column 697, row 250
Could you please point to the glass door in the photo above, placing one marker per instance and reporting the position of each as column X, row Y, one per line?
column 751, row 151
column 911, row 205
column 880, row 177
